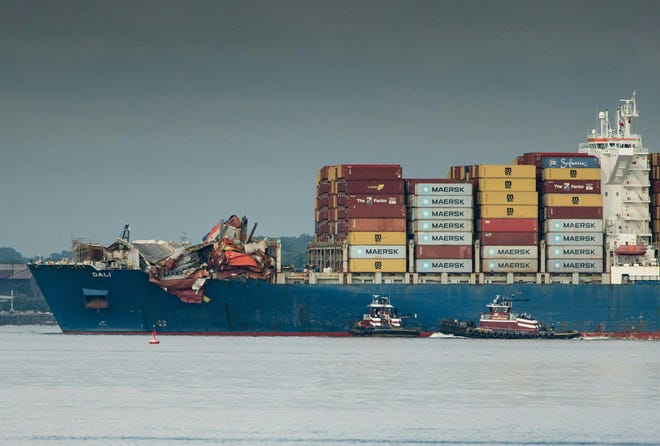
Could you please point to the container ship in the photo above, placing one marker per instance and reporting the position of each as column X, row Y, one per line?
column 571, row 232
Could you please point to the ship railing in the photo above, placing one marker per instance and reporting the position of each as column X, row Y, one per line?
column 441, row 279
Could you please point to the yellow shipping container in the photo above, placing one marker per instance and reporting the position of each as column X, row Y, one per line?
column 377, row 238
column 505, row 184
column 377, row 265
column 522, row 198
column 506, row 171
column 585, row 200
column 516, row 211
column 583, row 173
column 332, row 173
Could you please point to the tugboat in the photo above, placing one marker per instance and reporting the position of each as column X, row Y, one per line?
column 501, row 323
column 382, row 320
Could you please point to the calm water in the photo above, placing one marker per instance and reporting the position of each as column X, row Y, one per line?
column 99, row 390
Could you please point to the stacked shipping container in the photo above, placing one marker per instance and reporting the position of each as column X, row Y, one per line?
column 365, row 207
column 654, row 159
column 572, row 211
column 507, row 225
column 440, row 221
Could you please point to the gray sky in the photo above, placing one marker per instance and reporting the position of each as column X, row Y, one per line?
column 173, row 115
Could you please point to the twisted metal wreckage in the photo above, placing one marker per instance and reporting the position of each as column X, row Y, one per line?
column 227, row 252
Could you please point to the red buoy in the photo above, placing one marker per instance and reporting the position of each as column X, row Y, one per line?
column 153, row 339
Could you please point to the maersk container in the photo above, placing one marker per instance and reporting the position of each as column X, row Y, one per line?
column 376, row 224
column 443, row 252
column 574, row 238
column 513, row 211
column 566, row 200
column 507, row 184
column 574, row 225
column 377, row 265
column 377, row 238
column 507, row 225
column 550, row 212
column 509, row 252
column 508, row 238
column 440, row 214
column 518, row 198
column 443, row 266
column 571, row 187
column 504, row 171
column 569, row 162
column 509, row 265
column 440, row 201
column 448, row 187
column 377, row 252
column 441, row 238
column 574, row 252
column 571, row 174
column 574, row 266
column 369, row 171
column 442, row 225
column 370, row 187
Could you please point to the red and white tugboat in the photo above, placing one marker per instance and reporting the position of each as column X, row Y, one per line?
column 382, row 320
column 500, row 322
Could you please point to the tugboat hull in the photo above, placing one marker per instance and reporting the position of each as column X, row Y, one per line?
column 468, row 330
column 386, row 332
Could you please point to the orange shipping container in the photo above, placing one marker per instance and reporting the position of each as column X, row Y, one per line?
column 377, row 238
column 522, row 197
column 505, row 184
column 559, row 173
column 505, row 171
column 377, row 224
column 377, row 265
column 499, row 211
column 565, row 200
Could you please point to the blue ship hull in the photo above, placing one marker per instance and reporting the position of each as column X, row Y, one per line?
column 255, row 307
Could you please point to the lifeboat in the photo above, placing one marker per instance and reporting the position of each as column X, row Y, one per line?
column 630, row 250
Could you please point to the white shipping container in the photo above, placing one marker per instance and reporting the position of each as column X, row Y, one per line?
column 440, row 201
column 574, row 252
column 377, row 251
column 510, row 252
column 443, row 225
column 574, row 266
column 440, row 213
column 443, row 238
column 574, row 238
column 574, row 225
column 443, row 189
column 443, row 266
column 509, row 265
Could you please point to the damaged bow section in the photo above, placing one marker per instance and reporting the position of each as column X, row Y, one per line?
column 227, row 252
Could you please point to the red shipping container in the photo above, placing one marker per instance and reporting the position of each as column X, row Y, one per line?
column 367, row 187
column 508, row 238
column 369, row 171
column 374, row 200
column 570, row 186
column 508, row 225
column 376, row 224
column 572, row 212
column 443, row 252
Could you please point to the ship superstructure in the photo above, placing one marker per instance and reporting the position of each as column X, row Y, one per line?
column 624, row 163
